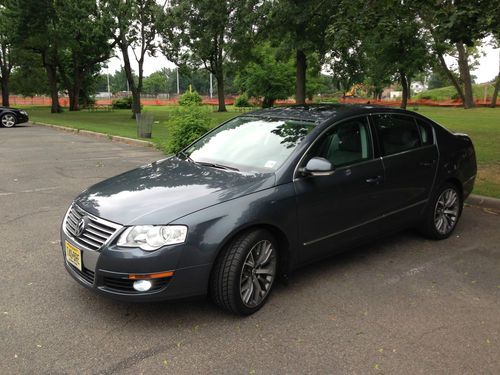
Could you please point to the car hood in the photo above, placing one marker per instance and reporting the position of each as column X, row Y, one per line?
column 165, row 190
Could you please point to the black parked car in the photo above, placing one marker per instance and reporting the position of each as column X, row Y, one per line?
column 261, row 195
column 9, row 117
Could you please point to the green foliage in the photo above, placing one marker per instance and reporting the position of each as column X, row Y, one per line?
column 242, row 101
column 190, row 98
column 186, row 125
column 155, row 83
column 205, row 33
column 266, row 77
column 123, row 103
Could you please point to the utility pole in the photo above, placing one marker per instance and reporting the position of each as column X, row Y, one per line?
column 178, row 88
column 109, row 90
column 211, row 88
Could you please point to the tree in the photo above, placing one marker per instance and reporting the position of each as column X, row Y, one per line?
column 456, row 26
column 438, row 79
column 400, row 47
column 29, row 65
column 266, row 77
column 301, row 25
column 155, row 83
column 7, row 53
column 135, row 29
column 87, row 44
column 36, row 28
column 204, row 33
column 494, row 97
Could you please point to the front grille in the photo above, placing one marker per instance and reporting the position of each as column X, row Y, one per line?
column 85, row 274
column 96, row 232
column 126, row 285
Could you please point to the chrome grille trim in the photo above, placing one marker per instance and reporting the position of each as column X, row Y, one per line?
column 98, row 232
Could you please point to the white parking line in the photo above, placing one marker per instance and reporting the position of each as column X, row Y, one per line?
column 30, row 191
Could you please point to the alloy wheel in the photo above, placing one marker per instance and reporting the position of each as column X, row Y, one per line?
column 446, row 211
column 8, row 120
column 258, row 273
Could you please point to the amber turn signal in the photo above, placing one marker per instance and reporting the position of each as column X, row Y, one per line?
column 150, row 275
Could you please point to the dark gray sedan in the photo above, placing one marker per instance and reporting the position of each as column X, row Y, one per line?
column 261, row 195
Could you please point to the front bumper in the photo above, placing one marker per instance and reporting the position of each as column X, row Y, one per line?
column 21, row 118
column 107, row 271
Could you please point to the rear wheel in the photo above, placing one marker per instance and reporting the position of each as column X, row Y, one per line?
column 8, row 120
column 443, row 213
column 244, row 275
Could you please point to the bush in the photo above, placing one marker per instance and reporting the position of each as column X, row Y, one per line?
column 190, row 98
column 242, row 101
column 186, row 125
column 123, row 103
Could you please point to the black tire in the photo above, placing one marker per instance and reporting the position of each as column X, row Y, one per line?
column 230, row 269
column 435, row 210
column 8, row 120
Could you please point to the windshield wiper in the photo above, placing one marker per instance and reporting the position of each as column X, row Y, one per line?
column 215, row 165
column 185, row 156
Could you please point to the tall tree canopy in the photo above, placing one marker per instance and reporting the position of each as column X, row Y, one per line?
column 135, row 30
column 206, row 33
column 301, row 25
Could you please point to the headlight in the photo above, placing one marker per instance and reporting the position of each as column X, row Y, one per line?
column 24, row 113
column 152, row 237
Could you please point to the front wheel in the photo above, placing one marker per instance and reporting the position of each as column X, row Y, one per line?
column 443, row 212
column 8, row 120
column 244, row 275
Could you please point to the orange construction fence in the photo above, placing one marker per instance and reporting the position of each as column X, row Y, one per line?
column 64, row 101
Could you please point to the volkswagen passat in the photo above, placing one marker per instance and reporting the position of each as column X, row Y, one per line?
column 261, row 195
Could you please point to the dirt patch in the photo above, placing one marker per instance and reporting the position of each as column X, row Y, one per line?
column 489, row 173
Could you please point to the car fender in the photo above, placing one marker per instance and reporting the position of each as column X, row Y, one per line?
column 212, row 228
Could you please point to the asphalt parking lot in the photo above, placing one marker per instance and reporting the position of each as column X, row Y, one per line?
column 404, row 305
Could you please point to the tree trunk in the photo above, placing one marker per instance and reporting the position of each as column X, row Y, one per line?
column 74, row 93
column 5, row 90
column 136, row 102
column 136, row 95
column 408, row 85
column 54, row 92
column 267, row 102
column 220, row 91
column 404, row 83
column 493, row 103
column 464, row 69
column 300, row 81
column 452, row 78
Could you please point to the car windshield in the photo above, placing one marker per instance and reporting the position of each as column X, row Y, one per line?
column 250, row 143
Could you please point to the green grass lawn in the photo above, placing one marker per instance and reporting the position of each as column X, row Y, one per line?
column 482, row 124
column 118, row 122
column 448, row 92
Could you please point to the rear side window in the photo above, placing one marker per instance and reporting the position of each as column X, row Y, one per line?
column 396, row 133
column 425, row 132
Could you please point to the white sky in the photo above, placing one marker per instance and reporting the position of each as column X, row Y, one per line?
column 486, row 71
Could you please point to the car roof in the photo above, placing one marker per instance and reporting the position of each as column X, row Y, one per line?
column 320, row 113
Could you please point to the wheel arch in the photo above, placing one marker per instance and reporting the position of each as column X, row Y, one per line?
column 455, row 181
column 284, row 249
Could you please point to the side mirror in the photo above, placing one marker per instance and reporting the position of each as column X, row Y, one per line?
column 318, row 166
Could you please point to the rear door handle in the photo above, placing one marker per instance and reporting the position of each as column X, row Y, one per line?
column 374, row 180
column 427, row 163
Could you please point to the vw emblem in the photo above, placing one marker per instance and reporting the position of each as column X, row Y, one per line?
column 82, row 224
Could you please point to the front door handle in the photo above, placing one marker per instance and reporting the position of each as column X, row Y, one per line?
column 427, row 163
column 374, row 180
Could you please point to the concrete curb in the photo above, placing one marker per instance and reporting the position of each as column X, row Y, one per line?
column 88, row 133
column 481, row 201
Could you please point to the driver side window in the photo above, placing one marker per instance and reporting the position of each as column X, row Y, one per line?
column 345, row 143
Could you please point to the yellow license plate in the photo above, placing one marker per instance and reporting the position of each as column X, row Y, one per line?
column 73, row 255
